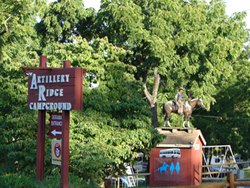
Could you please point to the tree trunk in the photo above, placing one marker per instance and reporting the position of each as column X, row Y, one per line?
column 153, row 98
column 154, row 116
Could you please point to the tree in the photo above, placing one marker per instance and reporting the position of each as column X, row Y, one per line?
column 18, row 45
column 114, row 125
column 192, row 43
column 125, row 45
column 152, row 98
column 230, row 115
column 63, row 19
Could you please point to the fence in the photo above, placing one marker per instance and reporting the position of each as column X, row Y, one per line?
column 233, row 178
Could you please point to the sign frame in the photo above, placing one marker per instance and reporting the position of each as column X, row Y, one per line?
column 46, row 91
column 55, row 124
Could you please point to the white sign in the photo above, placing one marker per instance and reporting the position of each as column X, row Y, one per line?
column 56, row 152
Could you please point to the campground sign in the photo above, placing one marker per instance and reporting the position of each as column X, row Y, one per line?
column 55, row 89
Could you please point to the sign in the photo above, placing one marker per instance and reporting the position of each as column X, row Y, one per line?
column 55, row 89
column 55, row 124
column 56, row 152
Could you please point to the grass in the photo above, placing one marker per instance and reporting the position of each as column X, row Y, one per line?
column 22, row 181
column 247, row 173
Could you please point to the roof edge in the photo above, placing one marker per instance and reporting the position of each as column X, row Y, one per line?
column 174, row 145
column 202, row 138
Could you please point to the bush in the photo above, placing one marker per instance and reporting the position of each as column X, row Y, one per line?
column 22, row 181
column 247, row 174
column 16, row 181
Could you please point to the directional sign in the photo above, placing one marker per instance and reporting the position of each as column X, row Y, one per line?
column 55, row 124
column 55, row 132
column 56, row 152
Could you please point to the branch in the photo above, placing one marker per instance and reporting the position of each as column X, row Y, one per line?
column 5, row 25
column 156, row 85
column 147, row 94
column 153, row 98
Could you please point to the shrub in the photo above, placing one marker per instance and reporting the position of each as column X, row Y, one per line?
column 22, row 181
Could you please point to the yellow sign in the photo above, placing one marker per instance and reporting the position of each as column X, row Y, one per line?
column 56, row 152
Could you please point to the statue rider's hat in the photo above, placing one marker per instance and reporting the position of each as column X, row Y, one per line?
column 181, row 88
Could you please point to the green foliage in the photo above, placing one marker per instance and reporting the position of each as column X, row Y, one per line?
column 192, row 43
column 115, row 123
column 230, row 116
column 247, row 174
column 18, row 46
column 17, row 181
column 64, row 19
column 20, row 180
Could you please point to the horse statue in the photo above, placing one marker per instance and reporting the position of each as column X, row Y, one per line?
column 188, row 107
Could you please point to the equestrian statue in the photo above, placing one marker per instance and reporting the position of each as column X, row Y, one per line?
column 181, row 107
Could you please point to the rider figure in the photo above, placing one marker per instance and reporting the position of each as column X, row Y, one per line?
column 179, row 99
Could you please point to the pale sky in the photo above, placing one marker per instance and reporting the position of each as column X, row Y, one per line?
column 238, row 6
column 92, row 3
column 231, row 7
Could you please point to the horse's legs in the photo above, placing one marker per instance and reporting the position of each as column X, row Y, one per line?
column 184, row 122
column 188, row 122
column 169, row 123
column 166, row 120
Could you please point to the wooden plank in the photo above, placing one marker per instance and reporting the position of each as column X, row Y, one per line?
column 216, row 172
column 242, row 183
column 178, row 128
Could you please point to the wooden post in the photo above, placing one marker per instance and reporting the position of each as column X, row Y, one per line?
column 41, row 134
column 118, row 182
column 200, row 173
column 230, row 179
column 65, row 143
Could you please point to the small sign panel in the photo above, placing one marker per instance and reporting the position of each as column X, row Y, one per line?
column 55, row 124
column 56, row 152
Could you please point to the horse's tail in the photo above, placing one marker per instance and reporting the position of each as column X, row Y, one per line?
column 163, row 109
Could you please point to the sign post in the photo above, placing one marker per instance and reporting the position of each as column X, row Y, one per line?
column 41, row 134
column 65, row 143
column 54, row 89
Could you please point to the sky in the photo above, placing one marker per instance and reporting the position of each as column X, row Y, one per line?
column 239, row 6
column 231, row 7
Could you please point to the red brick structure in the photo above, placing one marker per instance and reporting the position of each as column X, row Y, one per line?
column 177, row 160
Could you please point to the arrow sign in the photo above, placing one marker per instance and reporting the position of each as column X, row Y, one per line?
column 55, row 124
column 54, row 132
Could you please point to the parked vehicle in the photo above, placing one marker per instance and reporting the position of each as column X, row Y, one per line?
column 170, row 153
column 239, row 159
column 141, row 165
